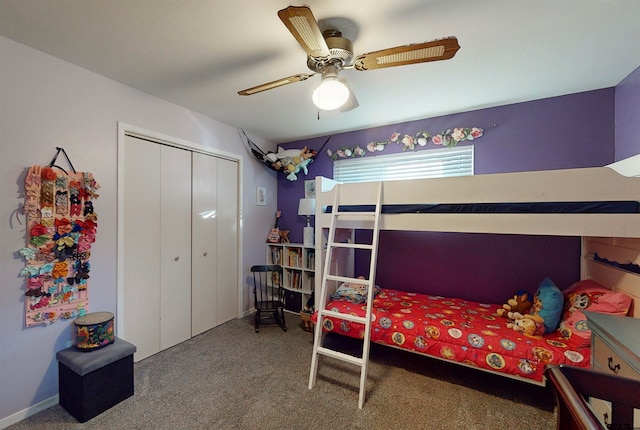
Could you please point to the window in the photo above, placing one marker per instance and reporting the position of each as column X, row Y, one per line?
column 435, row 163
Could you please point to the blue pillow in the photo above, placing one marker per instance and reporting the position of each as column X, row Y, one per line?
column 548, row 303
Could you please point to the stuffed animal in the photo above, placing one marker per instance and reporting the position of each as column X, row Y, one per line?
column 291, row 161
column 299, row 163
column 519, row 303
column 527, row 324
column 548, row 303
column 284, row 236
column 295, row 168
column 283, row 154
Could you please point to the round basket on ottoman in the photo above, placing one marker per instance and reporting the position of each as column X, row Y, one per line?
column 94, row 330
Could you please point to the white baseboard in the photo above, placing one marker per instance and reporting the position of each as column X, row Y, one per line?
column 31, row 410
column 248, row 312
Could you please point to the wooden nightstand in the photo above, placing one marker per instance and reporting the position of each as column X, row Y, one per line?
column 615, row 350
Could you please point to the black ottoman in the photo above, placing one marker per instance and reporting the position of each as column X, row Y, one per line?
column 92, row 382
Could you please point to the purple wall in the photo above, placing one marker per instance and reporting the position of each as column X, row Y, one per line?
column 556, row 133
column 482, row 267
column 627, row 114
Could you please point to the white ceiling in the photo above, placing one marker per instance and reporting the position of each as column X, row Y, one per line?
column 199, row 53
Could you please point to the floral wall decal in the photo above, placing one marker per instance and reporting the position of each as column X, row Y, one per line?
column 448, row 138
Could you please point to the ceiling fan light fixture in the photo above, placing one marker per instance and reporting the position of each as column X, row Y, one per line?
column 331, row 93
column 328, row 52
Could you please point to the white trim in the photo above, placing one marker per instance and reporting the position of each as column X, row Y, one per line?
column 240, row 255
column 247, row 312
column 165, row 139
column 27, row 412
column 130, row 130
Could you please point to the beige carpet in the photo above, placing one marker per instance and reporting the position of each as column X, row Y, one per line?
column 233, row 378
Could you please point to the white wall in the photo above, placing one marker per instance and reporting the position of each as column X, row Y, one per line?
column 44, row 103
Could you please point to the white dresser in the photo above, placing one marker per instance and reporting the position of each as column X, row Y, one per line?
column 615, row 350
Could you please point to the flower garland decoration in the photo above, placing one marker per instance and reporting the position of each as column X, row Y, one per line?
column 446, row 138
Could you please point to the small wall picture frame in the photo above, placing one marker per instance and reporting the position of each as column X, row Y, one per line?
column 261, row 196
column 310, row 189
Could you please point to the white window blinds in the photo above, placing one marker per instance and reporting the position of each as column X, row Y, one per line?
column 435, row 163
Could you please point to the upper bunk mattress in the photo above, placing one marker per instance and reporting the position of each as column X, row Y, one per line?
column 611, row 207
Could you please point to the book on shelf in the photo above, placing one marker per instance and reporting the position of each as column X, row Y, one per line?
column 311, row 260
column 295, row 279
column 276, row 255
column 295, row 257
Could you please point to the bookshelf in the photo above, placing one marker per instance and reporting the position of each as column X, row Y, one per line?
column 298, row 264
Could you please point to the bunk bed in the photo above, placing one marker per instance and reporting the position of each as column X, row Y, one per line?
column 600, row 204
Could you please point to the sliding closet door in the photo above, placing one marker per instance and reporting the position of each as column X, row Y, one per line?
column 205, row 221
column 227, row 276
column 175, row 246
column 141, row 245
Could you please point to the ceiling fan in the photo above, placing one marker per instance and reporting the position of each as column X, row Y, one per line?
column 328, row 53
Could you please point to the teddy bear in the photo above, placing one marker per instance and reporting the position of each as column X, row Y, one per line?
column 519, row 303
column 527, row 324
column 284, row 236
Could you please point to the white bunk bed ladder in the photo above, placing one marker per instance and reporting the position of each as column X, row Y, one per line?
column 373, row 219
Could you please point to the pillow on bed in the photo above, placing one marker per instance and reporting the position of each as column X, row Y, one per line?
column 548, row 304
column 591, row 296
column 354, row 293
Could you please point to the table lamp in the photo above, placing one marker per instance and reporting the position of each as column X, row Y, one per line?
column 307, row 208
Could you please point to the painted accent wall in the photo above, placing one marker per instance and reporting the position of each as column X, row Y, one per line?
column 570, row 131
column 627, row 114
column 46, row 102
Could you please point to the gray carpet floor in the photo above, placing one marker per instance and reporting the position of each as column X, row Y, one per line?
column 233, row 378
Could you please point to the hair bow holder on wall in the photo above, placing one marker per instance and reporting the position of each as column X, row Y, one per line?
column 61, row 228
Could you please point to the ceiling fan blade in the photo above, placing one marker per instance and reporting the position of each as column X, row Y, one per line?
column 441, row 49
column 275, row 84
column 304, row 27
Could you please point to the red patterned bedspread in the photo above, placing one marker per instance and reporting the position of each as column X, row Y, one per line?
column 457, row 330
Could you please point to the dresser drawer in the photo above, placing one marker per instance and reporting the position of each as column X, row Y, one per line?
column 602, row 410
column 608, row 361
column 616, row 351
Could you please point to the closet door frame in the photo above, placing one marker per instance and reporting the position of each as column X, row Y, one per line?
column 131, row 130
